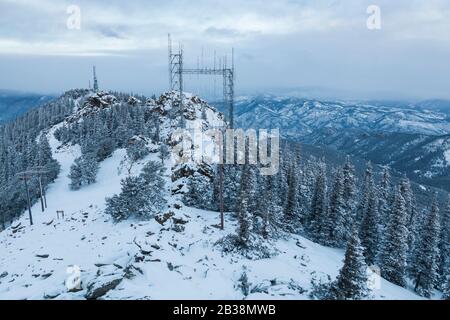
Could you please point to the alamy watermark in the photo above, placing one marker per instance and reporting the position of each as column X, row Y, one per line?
column 373, row 277
column 232, row 146
column 374, row 20
column 73, row 281
column 73, row 22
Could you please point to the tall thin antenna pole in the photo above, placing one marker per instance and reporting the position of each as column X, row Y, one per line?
column 95, row 79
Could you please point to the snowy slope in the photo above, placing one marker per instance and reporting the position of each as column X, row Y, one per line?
column 144, row 259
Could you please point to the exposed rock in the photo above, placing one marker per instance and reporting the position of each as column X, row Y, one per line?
column 162, row 219
column 100, row 286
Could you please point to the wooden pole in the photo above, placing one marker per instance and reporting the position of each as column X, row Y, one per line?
column 42, row 196
column 28, row 200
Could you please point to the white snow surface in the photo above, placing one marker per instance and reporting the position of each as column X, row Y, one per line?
column 447, row 156
column 181, row 265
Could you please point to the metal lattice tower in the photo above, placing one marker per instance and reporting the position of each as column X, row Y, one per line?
column 95, row 79
column 176, row 71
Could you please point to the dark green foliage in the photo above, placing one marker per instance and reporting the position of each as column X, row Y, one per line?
column 426, row 255
column 141, row 197
column 395, row 244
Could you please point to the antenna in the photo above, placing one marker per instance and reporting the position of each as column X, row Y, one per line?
column 177, row 69
column 95, row 79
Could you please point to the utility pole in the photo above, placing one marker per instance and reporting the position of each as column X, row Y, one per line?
column 25, row 177
column 222, row 220
column 39, row 171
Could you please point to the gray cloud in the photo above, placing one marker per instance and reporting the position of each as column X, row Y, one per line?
column 283, row 43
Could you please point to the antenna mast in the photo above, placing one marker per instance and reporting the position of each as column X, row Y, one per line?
column 95, row 79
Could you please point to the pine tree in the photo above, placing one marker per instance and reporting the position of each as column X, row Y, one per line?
column 318, row 205
column 76, row 175
column 348, row 196
column 395, row 244
column 446, row 285
column 142, row 196
column 384, row 199
column 129, row 202
column 369, row 224
column 199, row 193
column 269, row 210
column 444, row 244
column 334, row 224
column 244, row 215
column 89, row 168
column 351, row 283
column 291, row 209
column 427, row 254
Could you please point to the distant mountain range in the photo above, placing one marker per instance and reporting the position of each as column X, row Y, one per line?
column 13, row 103
column 414, row 139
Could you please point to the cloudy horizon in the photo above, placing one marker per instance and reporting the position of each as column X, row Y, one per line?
column 318, row 46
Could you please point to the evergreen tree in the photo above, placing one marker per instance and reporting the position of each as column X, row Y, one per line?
column 351, row 283
column 446, row 285
column 129, row 202
column 335, row 222
column 76, row 175
column 369, row 223
column 427, row 254
column 318, row 205
column 348, row 196
column 142, row 196
column 291, row 209
column 394, row 246
column 244, row 215
column 384, row 199
column 199, row 193
column 444, row 245
column 269, row 210
column 89, row 168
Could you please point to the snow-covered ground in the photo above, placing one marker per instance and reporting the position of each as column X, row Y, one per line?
column 170, row 264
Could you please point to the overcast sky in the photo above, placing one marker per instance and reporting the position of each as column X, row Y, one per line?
column 320, row 46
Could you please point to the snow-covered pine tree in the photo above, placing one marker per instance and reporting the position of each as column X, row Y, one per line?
column 384, row 199
column 318, row 205
column 129, row 202
column 89, row 168
column 349, row 196
column 394, row 247
column 369, row 224
column 334, row 224
column 155, row 188
column 76, row 174
column 199, row 193
column 137, row 149
column 427, row 254
column 245, row 220
column 45, row 159
column 231, row 178
column 142, row 196
column 268, row 208
column 446, row 286
column 444, row 245
column 292, row 209
column 351, row 283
